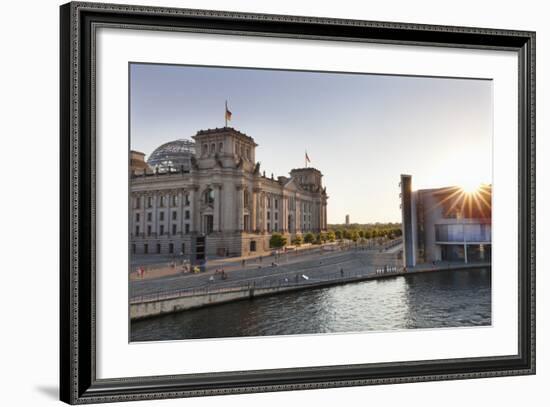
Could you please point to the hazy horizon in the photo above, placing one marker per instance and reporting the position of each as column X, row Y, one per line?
column 360, row 130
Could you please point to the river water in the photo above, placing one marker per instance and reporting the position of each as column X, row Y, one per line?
column 430, row 300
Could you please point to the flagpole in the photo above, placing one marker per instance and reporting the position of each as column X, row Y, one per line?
column 225, row 113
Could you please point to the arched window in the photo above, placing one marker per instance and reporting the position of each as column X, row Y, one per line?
column 220, row 147
column 208, row 196
column 248, row 153
column 205, row 149
column 213, row 149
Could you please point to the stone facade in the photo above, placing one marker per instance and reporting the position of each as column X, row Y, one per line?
column 224, row 197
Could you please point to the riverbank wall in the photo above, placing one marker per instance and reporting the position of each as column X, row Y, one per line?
column 170, row 302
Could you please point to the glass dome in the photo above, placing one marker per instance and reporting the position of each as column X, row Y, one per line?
column 172, row 155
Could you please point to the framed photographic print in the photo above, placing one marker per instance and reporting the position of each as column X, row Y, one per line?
column 256, row 203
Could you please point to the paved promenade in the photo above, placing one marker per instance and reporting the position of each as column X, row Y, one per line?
column 311, row 265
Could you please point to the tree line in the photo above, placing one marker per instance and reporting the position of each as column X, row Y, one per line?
column 354, row 233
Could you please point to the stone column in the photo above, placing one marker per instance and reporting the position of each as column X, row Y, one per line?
column 299, row 214
column 192, row 206
column 181, row 194
column 324, row 215
column 168, row 214
column 217, row 206
column 155, row 213
column 282, row 213
column 264, row 212
column 240, row 208
column 260, row 212
column 253, row 224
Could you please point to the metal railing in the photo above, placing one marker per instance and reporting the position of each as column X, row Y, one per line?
column 299, row 280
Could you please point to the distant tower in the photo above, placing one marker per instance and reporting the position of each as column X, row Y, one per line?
column 347, row 220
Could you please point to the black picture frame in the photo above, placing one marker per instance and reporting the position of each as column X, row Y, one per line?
column 78, row 381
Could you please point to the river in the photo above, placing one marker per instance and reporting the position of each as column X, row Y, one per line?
column 428, row 300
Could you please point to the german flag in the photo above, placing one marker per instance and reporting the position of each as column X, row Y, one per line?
column 227, row 113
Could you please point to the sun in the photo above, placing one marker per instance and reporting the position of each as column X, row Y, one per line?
column 470, row 187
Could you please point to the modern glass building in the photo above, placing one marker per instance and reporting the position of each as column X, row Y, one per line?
column 445, row 224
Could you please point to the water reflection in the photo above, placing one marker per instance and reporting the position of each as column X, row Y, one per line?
column 431, row 300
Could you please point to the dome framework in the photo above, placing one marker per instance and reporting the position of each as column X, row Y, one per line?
column 174, row 155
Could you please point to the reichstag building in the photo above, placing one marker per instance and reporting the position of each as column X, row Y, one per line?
column 212, row 189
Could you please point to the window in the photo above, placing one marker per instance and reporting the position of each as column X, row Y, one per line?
column 137, row 217
column 269, row 202
column 171, row 248
column 158, row 248
column 161, row 229
column 276, row 227
column 161, row 215
column 187, row 214
column 162, row 201
column 209, row 223
column 268, row 215
column 208, row 196
column 220, row 147
column 174, row 200
column 145, row 248
column 213, row 148
column 182, row 248
column 246, row 198
column 248, row 153
column 137, row 202
column 174, row 229
column 133, row 248
column 174, row 215
column 149, row 217
column 204, row 149
column 137, row 230
column 187, row 228
column 186, row 199
column 268, row 227
column 276, row 204
column 149, row 230
column 149, row 201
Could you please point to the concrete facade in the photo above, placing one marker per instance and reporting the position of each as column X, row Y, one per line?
column 445, row 224
column 225, row 198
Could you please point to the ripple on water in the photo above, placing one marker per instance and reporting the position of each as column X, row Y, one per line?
column 431, row 300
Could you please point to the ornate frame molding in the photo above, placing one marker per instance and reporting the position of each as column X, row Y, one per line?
column 78, row 380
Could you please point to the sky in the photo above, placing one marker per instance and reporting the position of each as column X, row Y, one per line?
column 360, row 130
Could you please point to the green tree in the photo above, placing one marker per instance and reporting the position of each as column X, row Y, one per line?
column 318, row 239
column 354, row 235
column 297, row 241
column 338, row 234
column 331, row 236
column 277, row 241
column 309, row 237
